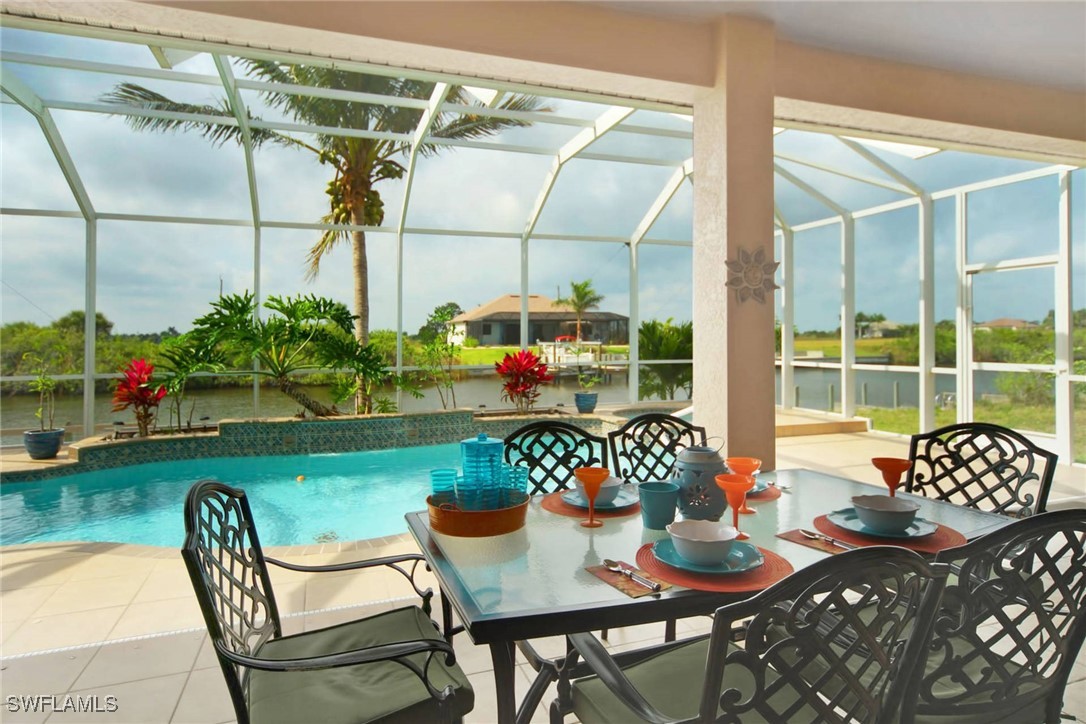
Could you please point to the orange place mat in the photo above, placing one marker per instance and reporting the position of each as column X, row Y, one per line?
column 774, row 569
column 770, row 493
column 941, row 539
column 818, row 544
column 554, row 503
column 624, row 584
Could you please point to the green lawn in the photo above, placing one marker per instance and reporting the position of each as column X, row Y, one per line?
column 1039, row 418
column 490, row 355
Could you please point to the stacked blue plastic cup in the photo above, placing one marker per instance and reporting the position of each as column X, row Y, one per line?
column 514, row 484
column 481, row 462
column 443, row 485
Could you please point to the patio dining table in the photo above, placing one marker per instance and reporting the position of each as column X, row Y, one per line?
column 533, row 582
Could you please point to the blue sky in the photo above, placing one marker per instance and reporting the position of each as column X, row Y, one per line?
column 155, row 275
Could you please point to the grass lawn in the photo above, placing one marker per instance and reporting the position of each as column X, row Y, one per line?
column 832, row 347
column 906, row 420
column 490, row 355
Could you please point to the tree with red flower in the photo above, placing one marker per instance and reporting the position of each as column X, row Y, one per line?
column 523, row 374
column 134, row 390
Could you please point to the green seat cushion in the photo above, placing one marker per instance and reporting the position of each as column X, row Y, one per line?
column 672, row 682
column 384, row 691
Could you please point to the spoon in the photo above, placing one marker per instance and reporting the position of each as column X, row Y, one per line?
column 832, row 541
column 619, row 568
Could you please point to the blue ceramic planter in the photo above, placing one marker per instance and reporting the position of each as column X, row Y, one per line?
column 43, row 444
column 585, row 401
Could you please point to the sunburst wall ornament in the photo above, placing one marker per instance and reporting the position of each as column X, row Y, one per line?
column 752, row 275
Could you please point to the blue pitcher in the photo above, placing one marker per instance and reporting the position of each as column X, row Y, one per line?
column 695, row 471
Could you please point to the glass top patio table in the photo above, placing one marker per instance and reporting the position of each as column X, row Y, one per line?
column 533, row 582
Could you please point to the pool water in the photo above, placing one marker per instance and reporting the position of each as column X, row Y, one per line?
column 341, row 497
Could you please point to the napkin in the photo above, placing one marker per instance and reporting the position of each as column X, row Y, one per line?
column 623, row 583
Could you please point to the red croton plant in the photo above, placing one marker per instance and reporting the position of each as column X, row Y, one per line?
column 134, row 390
column 523, row 373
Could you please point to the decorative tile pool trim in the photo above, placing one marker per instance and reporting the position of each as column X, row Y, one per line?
column 289, row 436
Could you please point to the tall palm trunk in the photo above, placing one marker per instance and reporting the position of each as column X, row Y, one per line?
column 363, row 404
column 291, row 390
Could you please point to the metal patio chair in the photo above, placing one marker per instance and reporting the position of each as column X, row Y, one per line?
column 839, row 641
column 552, row 450
column 391, row 667
column 646, row 446
column 982, row 466
column 1011, row 624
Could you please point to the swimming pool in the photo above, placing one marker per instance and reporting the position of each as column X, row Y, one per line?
column 342, row 497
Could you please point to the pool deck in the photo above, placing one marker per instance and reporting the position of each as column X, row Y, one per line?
column 116, row 619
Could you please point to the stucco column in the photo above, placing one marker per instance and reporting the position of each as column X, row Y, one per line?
column 733, row 220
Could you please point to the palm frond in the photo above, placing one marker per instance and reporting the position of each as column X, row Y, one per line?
column 136, row 96
column 472, row 126
column 316, row 253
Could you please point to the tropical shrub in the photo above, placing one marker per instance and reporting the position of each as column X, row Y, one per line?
column 666, row 341
column 45, row 387
column 523, row 373
column 135, row 390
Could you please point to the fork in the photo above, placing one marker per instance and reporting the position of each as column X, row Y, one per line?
column 832, row 541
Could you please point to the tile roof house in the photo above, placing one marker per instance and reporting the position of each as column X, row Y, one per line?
column 1005, row 323
column 498, row 322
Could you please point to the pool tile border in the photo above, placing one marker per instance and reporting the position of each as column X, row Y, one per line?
column 291, row 436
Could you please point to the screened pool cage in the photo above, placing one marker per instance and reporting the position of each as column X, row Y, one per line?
column 876, row 240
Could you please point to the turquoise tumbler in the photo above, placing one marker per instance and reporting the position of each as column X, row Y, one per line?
column 443, row 485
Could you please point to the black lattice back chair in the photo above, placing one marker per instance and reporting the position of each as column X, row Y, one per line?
column 1011, row 625
column 552, row 450
column 839, row 641
column 981, row 465
column 394, row 666
column 645, row 447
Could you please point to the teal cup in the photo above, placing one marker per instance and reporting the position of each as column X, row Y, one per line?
column 658, row 501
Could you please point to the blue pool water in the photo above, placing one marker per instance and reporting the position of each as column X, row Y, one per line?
column 344, row 497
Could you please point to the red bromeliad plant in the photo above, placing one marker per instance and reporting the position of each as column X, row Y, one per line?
column 134, row 390
column 523, row 373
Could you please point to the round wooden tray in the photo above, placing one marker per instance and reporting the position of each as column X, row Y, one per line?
column 476, row 523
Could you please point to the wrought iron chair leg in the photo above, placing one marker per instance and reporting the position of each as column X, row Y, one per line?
column 603, row 634
column 669, row 630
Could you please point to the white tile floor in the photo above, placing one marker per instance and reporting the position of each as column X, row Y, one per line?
column 99, row 619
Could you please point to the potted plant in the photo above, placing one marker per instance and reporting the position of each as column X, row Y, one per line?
column 586, row 399
column 43, row 443
column 522, row 375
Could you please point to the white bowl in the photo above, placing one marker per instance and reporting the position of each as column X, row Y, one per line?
column 608, row 490
column 704, row 542
column 885, row 514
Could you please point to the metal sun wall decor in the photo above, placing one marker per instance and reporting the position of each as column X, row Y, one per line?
column 751, row 275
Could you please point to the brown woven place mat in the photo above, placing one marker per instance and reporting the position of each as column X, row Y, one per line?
column 623, row 583
column 818, row 544
column 774, row 569
column 554, row 503
column 941, row 539
column 770, row 493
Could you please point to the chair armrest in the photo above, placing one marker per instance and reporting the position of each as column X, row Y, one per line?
column 398, row 652
column 387, row 561
column 607, row 669
column 349, row 565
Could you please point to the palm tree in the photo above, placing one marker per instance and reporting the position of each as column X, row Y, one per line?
column 582, row 297
column 358, row 164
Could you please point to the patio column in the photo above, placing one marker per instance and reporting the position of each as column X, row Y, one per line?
column 733, row 221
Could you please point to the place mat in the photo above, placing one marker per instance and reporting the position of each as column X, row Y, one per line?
column 774, row 569
column 941, row 539
column 818, row 544
column 554, row 503
column 770, row 493
column 623, row 583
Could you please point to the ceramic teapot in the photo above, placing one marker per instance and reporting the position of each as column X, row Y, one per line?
column 695, row 470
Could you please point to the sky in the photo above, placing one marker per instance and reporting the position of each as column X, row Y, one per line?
column 156, row 275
